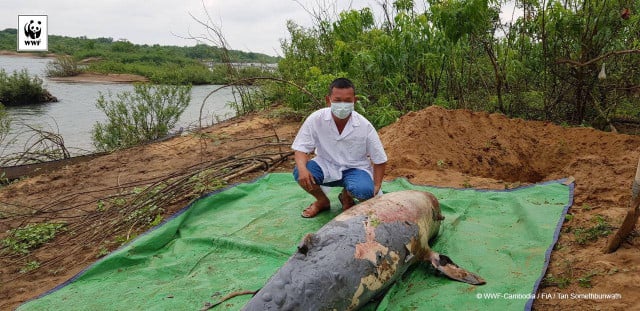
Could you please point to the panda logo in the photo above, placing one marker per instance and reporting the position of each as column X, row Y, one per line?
column 32, row 29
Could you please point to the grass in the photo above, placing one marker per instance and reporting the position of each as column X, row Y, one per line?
column 558, row 281
column 601, row 229
column 563, row 279
column 585, row 281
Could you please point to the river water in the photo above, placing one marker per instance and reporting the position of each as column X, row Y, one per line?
column 75, row 113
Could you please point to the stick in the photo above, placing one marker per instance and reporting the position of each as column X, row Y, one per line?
column 630, row 219
column 208, row 305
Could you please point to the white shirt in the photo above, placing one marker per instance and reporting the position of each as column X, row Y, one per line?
column 356, row 147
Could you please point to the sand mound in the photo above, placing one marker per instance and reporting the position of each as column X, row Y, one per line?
column 510, row 150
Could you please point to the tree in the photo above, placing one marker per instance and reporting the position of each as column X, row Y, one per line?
column 544, row 64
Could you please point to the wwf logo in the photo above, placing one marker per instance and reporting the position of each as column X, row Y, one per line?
column 33, row 29
column 33, row 33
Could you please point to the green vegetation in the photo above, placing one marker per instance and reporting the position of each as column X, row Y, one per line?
column 144, row 115
column 150, row 215
column 585, row 281
column 204, row 183
column 458, row 54
column 558, row 281
column 26, row 238
column 63, row 66
column 30, row 266
column 563, row 279
column 160, row 64
column 19, row 89
column 601, row 229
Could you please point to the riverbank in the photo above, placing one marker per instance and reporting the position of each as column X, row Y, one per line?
column 91, row 77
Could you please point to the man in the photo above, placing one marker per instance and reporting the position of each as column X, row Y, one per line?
column 346, row 145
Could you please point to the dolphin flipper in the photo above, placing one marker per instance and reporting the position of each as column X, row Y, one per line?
column 445, row 265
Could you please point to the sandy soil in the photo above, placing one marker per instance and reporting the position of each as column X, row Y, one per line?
column 455, row 148
column 91, row 77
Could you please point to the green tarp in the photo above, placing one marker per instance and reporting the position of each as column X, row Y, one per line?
column 237, row 238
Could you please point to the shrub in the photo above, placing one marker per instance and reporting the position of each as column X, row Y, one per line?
column 148, row 113
column 21, row 89
column 63, row 66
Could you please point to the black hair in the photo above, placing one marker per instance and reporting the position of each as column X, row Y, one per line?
column 341, row 83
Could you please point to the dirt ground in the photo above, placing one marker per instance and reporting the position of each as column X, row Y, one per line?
column 453, row 148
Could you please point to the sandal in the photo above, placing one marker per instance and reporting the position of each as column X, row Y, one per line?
column 313, row 210
column 350, row 203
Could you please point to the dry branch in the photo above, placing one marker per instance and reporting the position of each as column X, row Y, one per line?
column 597, row 59
column 42, row 146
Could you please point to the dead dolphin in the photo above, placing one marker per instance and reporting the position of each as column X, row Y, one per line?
column 358, row 255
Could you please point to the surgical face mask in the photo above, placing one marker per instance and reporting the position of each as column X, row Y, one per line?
column 341, row 109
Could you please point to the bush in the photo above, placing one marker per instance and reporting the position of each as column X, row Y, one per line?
column 146, row 114
column 63, row 66
column 21, row 89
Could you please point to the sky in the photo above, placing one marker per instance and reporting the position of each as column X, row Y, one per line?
column 247, row 25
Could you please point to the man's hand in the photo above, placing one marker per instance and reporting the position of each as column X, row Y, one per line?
column 376, row 189
column 305, row 179
column 378, row 176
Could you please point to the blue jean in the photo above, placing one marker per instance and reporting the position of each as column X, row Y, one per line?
column 357, row 182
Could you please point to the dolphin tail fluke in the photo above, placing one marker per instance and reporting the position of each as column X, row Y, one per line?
column 445, row 265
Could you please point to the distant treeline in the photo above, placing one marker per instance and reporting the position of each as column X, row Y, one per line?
column 161, row 64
